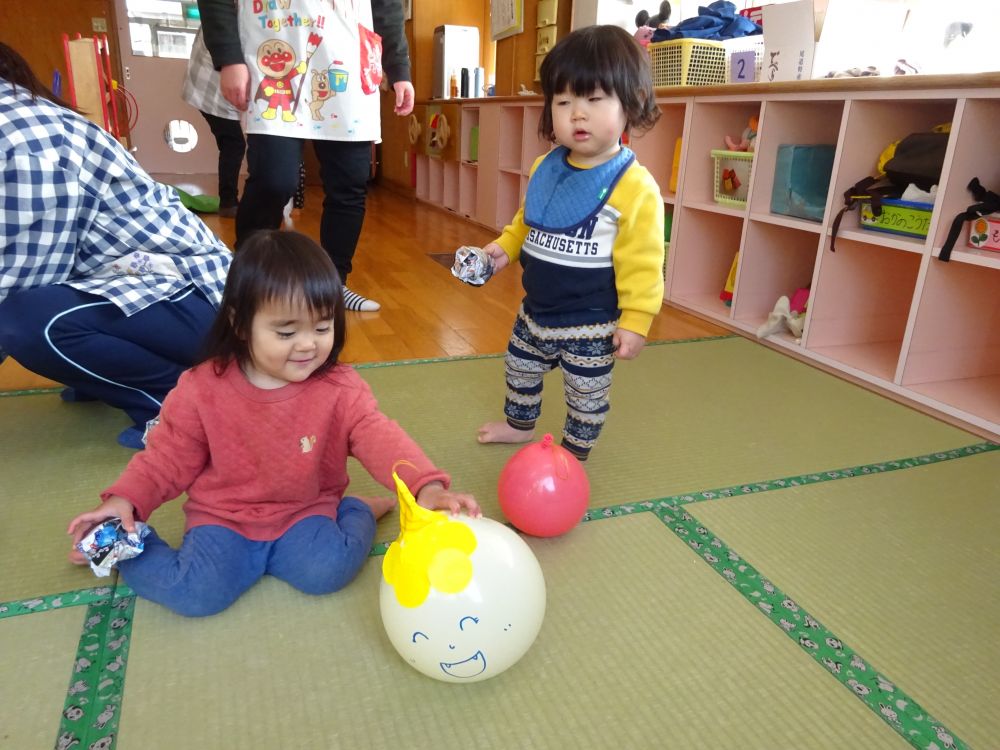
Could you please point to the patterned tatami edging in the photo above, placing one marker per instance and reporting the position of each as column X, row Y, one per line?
column 897, row 709
column 93, row 701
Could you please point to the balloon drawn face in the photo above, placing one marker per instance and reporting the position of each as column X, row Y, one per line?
column 458, row 645
column 462, row 598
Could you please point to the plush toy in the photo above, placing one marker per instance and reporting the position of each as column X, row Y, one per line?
column 647, row 24
column 748, row 139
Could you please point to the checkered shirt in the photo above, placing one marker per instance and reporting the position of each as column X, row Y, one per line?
column 76, row 209
column 202, row 84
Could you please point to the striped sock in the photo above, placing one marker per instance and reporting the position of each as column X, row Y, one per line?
column 357, row 303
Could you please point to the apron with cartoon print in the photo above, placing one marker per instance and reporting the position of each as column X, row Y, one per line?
column 315, row 68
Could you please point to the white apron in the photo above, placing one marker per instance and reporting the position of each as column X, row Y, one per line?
column 315, row 68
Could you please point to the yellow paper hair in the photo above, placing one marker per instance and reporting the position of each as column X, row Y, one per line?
column 431, row 551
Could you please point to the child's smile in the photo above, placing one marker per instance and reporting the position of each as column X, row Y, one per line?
column 288, row 343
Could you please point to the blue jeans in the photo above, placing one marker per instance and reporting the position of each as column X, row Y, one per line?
column 84, row 341
column 215, row 565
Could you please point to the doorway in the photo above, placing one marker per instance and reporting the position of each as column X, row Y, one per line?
column 170, row 136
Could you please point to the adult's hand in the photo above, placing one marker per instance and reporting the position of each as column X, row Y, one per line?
column 235, row 85
column 404, row 98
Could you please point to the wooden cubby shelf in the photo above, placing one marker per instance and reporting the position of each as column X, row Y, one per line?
column 883, row 310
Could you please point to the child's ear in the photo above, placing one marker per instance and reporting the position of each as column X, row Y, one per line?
column 231, row 314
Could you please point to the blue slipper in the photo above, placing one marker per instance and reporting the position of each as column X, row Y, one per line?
column 131, row 437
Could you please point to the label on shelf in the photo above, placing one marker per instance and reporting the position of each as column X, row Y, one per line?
column 984, row 233
column 907, row 218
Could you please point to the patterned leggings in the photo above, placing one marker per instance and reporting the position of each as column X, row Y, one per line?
column 586, row 355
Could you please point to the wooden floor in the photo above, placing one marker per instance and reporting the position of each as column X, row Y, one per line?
column 425, row 311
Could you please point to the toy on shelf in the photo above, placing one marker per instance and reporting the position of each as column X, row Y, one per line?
column 788, row 314
column 647, row 24
column 748, row 138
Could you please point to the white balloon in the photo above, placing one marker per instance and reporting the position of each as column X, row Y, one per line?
column 483, row 629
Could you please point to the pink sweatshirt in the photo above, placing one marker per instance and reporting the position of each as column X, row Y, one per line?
column 258, row 461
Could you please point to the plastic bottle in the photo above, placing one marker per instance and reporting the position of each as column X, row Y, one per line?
column 453, row 86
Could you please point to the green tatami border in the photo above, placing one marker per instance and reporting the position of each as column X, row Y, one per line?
column 881, row 695
column 93, row 703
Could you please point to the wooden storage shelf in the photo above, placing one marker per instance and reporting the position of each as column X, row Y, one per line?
column 860, row 304
column 883, row 239
column 954, row 350
column 449, row 186
column 532, row 145
column 883, row 309
column 655, row 148
column 972, row 256
column 698, row 278
column 715, row 208
column 468, row 192
column 803, row 225
column 511, row 134
column 775, row 261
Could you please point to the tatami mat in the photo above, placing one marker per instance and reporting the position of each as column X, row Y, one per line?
column 37, row 655
column 684, row 417
column 640, row 638
column 902, row 566
column 55, row 459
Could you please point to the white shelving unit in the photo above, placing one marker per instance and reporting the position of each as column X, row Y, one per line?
column 883, row 310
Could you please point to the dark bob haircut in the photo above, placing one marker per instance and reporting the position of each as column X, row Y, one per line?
column 600, row 57
column 274, row 266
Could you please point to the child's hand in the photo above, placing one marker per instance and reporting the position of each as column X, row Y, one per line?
column 499, row 257
column 113, row 507
column 434, row 496
column 628, row 344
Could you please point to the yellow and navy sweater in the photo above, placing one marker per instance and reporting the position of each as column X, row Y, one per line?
column 614, row 262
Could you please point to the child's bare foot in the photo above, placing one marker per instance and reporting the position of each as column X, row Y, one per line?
column 379, row 505
column 77, row 557
column 501, row 432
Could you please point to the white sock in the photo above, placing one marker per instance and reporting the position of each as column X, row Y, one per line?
column 357, row 303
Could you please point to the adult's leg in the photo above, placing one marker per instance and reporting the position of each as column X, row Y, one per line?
column 587, row 357
column 209, row 572
column 318, row 555
column 87, row 343
column 232, row 146
column 272, row 176
column 345, row 167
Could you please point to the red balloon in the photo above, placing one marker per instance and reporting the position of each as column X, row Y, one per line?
column 543, row 489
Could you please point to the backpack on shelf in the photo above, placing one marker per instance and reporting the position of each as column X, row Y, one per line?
column 916, row 159
column 987, row 203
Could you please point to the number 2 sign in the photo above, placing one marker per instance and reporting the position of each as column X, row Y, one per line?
column 742, row 67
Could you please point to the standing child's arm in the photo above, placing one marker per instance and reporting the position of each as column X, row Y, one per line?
column 638, row 259
column 506, row 248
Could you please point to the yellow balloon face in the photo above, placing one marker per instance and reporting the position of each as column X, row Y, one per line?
column 479, row 631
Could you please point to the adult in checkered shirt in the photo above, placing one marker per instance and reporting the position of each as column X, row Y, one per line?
column 201, row 90
column 107, row 283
